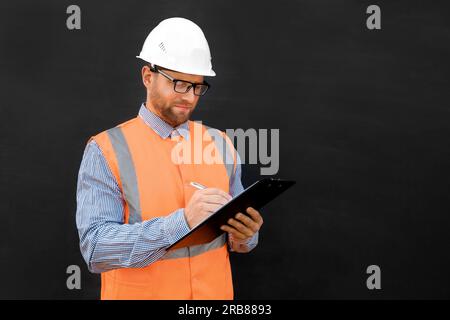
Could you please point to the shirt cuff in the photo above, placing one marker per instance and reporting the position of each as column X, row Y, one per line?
column 175, row 226
column 237, row 245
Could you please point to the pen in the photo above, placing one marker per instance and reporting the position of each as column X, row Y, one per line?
column 197, row 185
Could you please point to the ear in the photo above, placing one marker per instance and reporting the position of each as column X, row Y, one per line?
column 146, row 76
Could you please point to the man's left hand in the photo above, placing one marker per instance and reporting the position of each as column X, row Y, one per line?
column 243, row 227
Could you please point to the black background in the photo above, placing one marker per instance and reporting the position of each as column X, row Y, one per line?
column 364, row 123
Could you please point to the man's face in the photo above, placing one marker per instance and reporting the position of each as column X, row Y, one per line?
column 173, row 107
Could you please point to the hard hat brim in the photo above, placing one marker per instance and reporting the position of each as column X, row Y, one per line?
column 212, row 73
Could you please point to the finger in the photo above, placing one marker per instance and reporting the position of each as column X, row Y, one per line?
column 214, row 199
column 216, row 191
column 210, row 207
column 254, row 214
column 240, row 227
column 248, row 222
column 236, row 234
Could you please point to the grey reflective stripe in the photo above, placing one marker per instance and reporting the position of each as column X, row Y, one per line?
column 127, row 174
column 216, row 243
column 196, row 250
column 224, row 148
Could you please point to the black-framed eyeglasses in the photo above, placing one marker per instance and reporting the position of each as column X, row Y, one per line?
column 182, row 86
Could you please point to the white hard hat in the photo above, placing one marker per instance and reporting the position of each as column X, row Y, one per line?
column 180, row 45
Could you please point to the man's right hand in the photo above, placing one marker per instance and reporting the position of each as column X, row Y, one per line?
column 203, row 203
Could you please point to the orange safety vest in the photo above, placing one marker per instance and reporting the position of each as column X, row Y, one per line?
column 153, row 185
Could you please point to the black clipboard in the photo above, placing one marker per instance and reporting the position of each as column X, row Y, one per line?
column 256, row 196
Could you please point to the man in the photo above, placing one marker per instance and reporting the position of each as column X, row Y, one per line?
column 135, row 197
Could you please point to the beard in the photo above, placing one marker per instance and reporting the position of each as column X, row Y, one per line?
column 168, row 112
column 173, row 116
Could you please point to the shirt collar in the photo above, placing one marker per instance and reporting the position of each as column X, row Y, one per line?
column 162, row 128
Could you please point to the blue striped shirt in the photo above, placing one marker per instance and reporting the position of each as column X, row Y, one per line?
column 106, row 242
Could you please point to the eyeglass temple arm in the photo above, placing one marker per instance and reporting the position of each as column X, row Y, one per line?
column 154, row 68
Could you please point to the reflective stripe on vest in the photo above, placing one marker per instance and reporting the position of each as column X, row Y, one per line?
column 196, row 250
column 224, row 148
column 127, row 174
